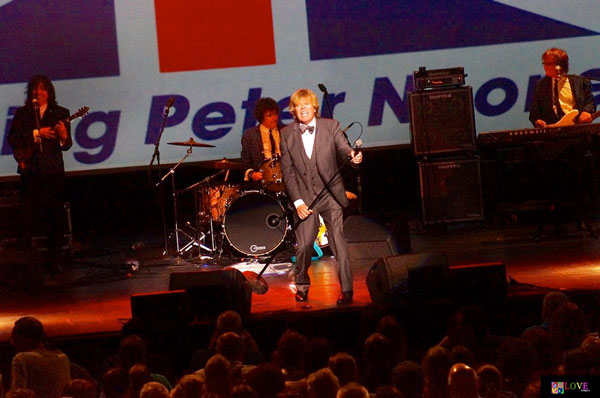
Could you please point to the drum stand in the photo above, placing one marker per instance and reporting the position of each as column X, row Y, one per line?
column 177, row 230
column 198, row 239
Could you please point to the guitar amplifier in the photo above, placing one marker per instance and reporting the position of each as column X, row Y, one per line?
column 438, row 78
column 442, row 121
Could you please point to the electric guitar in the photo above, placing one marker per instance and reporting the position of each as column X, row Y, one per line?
column 23, row 154
column 571, row 118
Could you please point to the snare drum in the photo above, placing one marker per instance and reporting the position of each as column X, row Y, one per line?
column 215, row 200
column 255, row 223
column 272, row 177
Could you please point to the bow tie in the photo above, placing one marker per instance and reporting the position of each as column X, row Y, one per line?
column 304, row 127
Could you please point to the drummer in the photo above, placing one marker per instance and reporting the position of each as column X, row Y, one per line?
column 260, row 143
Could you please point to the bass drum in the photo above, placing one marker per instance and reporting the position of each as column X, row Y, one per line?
column 255, row 223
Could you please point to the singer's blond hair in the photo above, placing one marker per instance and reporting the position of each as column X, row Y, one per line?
column 302, row 94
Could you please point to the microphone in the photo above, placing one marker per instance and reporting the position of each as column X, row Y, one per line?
column 358, row 145
column 558, row 70
column 169, row 104
column 36, row 111
column 323, row 88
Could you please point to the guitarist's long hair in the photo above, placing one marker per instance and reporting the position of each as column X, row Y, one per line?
column 33, row 83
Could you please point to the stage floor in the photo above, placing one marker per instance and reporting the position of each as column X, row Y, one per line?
column 93, row 295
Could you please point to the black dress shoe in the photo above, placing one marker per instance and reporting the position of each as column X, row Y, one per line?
column 345, row 298
column 301, row 296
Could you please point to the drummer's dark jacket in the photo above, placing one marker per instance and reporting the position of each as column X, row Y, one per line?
column 252, row 148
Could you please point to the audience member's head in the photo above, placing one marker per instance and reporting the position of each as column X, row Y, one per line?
column 80, row 388
column 229, row 321
column 388, row 392
column 461, row 354
column 462, row 381
column 266, row 379
column 490, row 380
column 189, row 386
column 546, row 350
column 551, row 302
column 154, row 389
column 533, row 389
column 353, row 390
column 243, row 391
column 289, row 351
column 343, row 365
column 568, row 326
column 27, row 334
column 378, row 360
column 591, row 345
column 322, row 384
column 517, row 362
column 21, row 393
column 139, row 374
column 231, row 346
column 407, row 377
column 435, row 365
column 391, row 328
column 132, row 350
column 316, row 354
column 115, row 383
column 218, row 379
column 577, row 361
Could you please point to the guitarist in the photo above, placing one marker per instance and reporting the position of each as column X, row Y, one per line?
column 556, row 94
column 38, row 136
column 565, row 169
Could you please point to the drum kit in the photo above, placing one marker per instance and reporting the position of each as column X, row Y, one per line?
column 243, row 221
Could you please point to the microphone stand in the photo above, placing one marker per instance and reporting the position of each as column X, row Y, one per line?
column 259, row 285
column 156, row 156
column 326, row 96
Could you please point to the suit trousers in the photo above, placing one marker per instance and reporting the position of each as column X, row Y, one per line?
column 306, row 233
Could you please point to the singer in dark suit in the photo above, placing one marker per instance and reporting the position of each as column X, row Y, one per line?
column 258, row 141
column 556, row 93
column 38, row 136
column 310, row 147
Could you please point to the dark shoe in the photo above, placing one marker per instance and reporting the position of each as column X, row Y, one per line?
column 301, row 296
column 345, row 298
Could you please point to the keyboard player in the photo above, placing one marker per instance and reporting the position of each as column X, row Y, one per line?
column 567, row 170
column 558, row 93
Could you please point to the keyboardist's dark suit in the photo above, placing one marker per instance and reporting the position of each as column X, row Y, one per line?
column 541, row 107
column 566, row 167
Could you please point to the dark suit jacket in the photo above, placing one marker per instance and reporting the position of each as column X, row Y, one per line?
column 541, row 107
column 49, row 160
column 252, row 148
column 329, row 144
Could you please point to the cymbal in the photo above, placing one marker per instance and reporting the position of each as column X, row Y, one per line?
column 191, row 142
column 225, row 164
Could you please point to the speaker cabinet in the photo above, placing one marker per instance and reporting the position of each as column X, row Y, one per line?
column 481, row 283
column 394, row 278
column 212, row 292
column 157, row 307
column 370, row 238
column 451, row 191
column 442, row 121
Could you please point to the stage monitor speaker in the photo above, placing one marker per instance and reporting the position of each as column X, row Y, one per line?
column 369, row 239
column 213, row 292
column 395, row 278
column 157, row 307
column 442, row 121
column 483, row 283
column 451, row 191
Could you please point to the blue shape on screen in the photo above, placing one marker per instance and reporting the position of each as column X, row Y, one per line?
column 342, row 28
column 63, row 39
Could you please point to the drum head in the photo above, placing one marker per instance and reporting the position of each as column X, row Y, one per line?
column 254, row 223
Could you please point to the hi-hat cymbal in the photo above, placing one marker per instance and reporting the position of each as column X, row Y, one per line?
column 191, row 142
column 225, row 164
